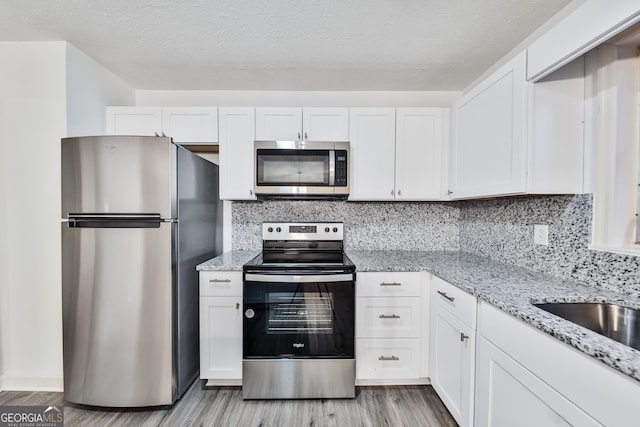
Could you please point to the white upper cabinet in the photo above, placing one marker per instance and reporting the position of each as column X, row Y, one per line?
column 510, row 136
column 420, row 139
column 372, row 135
column 145, row 121
column 397, row 154
column 325, row 124
column 488, row 147
column 297, row 124
column 188, row 125
column 237, row 130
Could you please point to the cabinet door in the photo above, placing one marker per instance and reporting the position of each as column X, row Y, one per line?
column 488, row 155
column 325, row 124
column 419, row 157
column 507, row 394
column 143, row 121
column 278, row 124
column 372, row 134
column 452, row 363
column 237, row 129
column 193, row 125
column 221, row 338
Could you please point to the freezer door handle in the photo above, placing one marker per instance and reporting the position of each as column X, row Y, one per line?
column 125, row 220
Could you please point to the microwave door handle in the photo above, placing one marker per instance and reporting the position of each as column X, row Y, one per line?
column 332, row 168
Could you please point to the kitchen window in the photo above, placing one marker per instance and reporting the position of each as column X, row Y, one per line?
column 612, row 126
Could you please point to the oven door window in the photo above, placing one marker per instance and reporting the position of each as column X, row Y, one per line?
column 299, row 320
column 293, row 167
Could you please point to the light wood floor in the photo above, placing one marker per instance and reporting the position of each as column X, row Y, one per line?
column 223, row 406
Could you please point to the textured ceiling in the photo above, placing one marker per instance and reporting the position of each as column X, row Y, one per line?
column 285, row 44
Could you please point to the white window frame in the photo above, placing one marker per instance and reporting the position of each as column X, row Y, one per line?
column 612, row 131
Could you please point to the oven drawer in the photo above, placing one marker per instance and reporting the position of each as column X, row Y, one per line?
column 221, row 283
column 380, row 359
column 388, row 317
column 389, row 284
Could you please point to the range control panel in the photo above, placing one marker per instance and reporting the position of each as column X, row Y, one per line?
column 302, row 231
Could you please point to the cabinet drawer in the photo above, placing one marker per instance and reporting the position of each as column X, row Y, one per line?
column 388, row 284
column 387, row 359
column 456, row 301
column 388, row 317
column 221, row 283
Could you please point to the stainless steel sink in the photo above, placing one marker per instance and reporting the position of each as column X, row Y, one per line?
column 616, row 322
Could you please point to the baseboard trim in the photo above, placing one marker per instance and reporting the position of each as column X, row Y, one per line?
column 18, row 383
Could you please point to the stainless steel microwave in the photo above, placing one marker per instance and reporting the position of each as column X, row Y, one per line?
column 301, row 169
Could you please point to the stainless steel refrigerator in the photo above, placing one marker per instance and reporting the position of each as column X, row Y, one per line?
column 138, row 214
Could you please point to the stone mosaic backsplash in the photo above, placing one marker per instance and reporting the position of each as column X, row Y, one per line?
column 368, row 226
column 501, row 229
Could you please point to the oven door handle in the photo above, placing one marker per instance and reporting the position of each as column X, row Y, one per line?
column 295, row 278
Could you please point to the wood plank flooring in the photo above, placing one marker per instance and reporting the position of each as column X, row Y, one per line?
column 393, row 406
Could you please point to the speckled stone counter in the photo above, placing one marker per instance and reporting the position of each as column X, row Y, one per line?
column 513, row 289
column 229, row 261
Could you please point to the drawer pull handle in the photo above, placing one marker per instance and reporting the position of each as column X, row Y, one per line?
column 388, row 358
column 390, row 284
column 444, row 294
column 463, row 336
column 220, row 281
column 386, row 316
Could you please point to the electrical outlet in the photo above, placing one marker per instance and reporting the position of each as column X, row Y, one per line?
column 541, row 234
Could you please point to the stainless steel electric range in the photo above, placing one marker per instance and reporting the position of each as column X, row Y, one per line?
column 299, row 314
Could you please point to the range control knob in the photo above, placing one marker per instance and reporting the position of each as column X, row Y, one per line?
column 335, row 229
column 326, row 230
column 278, row 229
column 270, row 229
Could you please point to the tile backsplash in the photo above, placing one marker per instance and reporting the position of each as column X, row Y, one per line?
column 501, row 229
column 368, row 226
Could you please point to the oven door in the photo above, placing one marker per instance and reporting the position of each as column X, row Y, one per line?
column 299, row 316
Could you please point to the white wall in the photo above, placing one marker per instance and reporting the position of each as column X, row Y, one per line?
column 91, row 87
column 295, row 98
column 49, row 90
column 32, row 121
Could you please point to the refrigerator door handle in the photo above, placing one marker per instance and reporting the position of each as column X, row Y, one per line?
column 124, row 220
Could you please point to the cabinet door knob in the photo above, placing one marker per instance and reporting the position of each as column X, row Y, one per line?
column 449, row 192
column 399, row 193
column 237, row 306
column 444, row 294
column 306, row 138
column 463, row 336
column 299, row 138
column 392, row 192
column 251, row 192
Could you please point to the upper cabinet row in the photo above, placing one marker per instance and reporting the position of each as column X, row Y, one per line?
column 508, row 137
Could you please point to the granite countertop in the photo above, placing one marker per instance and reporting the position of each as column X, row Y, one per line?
column 507, row 287
column 228, row 261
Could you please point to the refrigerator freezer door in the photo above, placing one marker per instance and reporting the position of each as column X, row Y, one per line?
column 117, row 308
column 118, row 174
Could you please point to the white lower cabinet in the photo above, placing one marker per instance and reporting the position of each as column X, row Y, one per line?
column 452, row 347
column 525, row 377
column 221, row 327
column 391, row 336
column 509, row 394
